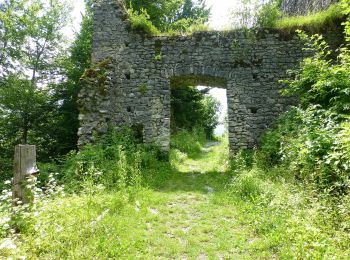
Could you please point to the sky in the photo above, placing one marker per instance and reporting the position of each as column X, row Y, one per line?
column 220, row 19
column 221, row 12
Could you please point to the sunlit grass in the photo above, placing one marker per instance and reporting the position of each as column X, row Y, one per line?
column 313, row 22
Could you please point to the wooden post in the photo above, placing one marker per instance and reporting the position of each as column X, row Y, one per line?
column 24, row 168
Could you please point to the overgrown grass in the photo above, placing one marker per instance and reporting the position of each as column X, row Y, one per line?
column 288, row 220
column 315, row 22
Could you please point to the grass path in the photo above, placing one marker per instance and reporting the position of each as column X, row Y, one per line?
column 183, row 221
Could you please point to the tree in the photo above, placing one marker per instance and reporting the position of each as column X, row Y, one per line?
column 192, row 108
column 196, row 11
column 31, row 67
column 12, row 34
column 256, row 13
column 168, row 14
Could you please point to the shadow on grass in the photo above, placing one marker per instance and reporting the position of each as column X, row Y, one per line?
column 171, row 180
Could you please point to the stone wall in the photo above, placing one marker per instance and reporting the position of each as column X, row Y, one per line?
column 303, row 7
column 134, row 87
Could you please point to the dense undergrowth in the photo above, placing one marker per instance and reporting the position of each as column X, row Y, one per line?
column 313, row 139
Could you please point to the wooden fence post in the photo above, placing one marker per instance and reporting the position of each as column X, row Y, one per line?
column 24, row 168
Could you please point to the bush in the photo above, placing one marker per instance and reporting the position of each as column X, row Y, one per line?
column 140, row 21
column 312, row 140
column 114, row 161
column 268, row 15
column 320, row 81
column 187, row 142
column 246, row 185
column 312, row 143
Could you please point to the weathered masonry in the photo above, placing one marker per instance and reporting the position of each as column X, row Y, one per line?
column 132, row 85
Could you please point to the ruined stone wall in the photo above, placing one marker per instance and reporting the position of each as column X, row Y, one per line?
column 303, row 7
column 134, row 88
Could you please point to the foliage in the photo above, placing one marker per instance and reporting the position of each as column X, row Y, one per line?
column 256, row 13
column 24, row 112
column 114, row 161
column 192, row 108
column 66, row 93
column 178, row 209
column 140, row 21
column 172, row 16
column 30, row 68
column 287, row 220
column 17, row 217
column 312, row 139
column 268, row 14
column 321, row 82
column 189, row 143
column 12, row 34
column 308, row 142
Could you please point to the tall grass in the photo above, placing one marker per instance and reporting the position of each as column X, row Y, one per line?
column 314, row 22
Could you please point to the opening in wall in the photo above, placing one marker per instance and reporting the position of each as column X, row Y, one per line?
column 198, row 118
column 138, row 132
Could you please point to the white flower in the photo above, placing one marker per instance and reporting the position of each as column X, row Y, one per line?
column 4, row 220
column 7, row 182
column 98, row 173
column 6, row 226
column 7, row 244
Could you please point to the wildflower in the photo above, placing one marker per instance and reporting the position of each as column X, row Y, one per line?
column 4, row 220
column 7, row 244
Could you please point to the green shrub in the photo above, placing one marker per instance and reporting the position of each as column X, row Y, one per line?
column 268, row 15
column 113, row 161
column 186, row 25
column 287, row 125
column 312, row 143
column 140, row 21
column 320, row 81
column 242, row 161
column 187, row 142
column 246, row 186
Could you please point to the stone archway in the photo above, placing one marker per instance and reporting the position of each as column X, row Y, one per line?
column 140, row 70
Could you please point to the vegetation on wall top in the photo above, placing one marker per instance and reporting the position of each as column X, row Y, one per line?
column 167, row 16
column 315, row 22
